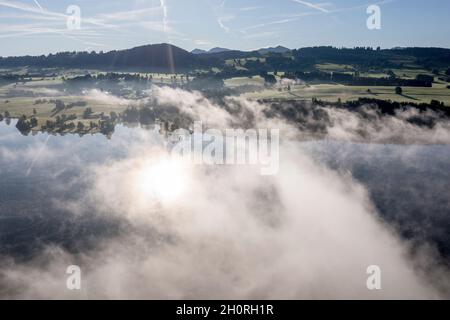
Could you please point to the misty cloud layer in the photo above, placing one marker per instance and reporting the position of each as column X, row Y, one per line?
column 229, row 233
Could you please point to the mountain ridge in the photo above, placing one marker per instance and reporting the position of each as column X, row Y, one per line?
column 277, row 49
column 165, row 57
column 210, row 51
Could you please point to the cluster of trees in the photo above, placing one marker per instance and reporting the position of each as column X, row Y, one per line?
column 388, row 106
column 313, row 118
column 142, row 115
column 24, row 125
column 76, row 104
column 269, row 79
column 60, row 105
column 64, row 118
column 110, row 77
column 425, row 78
column 360, row 56
column 12, row 78
column 364, row 58
column 17, row 78
column 6, row 117
column 115, row 83
column 312, row 74
column 112, row 81
column 87, row 113
column 105, row 126
column 41, row 101
column 367, row 57
column 61, row 123
column 355, row 80
column 205, row 82
column 166, row 115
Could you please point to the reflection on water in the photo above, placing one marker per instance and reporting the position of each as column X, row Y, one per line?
column 37, row 174
column 408, row 184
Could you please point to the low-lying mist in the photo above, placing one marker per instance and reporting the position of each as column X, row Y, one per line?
column 185, row 231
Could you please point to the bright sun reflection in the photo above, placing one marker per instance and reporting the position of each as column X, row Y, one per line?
column 164, row 179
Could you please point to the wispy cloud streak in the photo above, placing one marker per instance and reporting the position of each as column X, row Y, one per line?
column 312, row 5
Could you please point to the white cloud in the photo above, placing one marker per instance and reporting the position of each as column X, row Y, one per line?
column 306, row 233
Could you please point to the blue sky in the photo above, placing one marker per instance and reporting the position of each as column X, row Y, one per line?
column 40, row 26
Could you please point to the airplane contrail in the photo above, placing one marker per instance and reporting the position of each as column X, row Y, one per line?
column 312, row 5
column 37, row 3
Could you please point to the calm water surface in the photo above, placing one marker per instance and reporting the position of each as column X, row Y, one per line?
column 409, row 185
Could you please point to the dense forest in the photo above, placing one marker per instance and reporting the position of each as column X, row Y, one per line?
column 165, row 57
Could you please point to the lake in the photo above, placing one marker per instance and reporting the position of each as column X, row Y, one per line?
column 46, row 179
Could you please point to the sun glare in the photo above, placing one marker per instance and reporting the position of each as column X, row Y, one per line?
column 164, row 179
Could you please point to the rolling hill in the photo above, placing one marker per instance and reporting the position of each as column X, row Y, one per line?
column 156, row 57
column 169, row 58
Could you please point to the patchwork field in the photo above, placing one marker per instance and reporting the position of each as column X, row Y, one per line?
column 36, row 96
column 333, row 92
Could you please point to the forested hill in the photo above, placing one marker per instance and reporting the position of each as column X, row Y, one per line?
column 370, row 57
column 156, row 56
column 171, row 58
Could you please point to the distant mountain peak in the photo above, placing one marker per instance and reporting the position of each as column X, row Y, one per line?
column 198, row 51
column 218, row 50
column 211, row 51
column 277, row 49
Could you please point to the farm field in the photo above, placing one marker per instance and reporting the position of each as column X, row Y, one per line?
column 35, row 96
column 333, row 92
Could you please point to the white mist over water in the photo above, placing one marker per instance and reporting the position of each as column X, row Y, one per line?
column 197, row 232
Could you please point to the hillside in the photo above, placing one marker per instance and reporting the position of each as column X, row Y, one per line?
column 169, row 58
column 278, row 49
column 156, row 56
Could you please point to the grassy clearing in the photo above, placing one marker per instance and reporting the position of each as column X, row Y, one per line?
column 242, row 81
column 239, row 64
column 411, row 73
column 333, row 67
column 330, row 92
column 24, row 106
column 19, row 99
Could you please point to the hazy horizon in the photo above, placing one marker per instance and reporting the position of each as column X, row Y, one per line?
column 37, row 27
column 220, row 47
